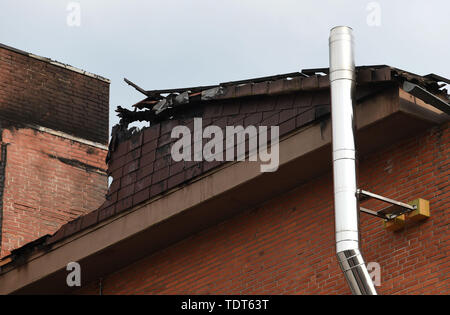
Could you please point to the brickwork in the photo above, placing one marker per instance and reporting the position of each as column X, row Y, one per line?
column 37, row 92
column 49, row 181
column 53, row 134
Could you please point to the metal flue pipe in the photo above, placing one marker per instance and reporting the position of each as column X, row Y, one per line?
column 342, row 80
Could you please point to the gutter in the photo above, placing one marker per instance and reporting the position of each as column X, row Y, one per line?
column 426, row 96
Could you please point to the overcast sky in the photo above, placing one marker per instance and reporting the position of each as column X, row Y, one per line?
column 175, row 43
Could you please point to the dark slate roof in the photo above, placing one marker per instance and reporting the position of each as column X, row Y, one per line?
column 161, row 107
column 139, row 160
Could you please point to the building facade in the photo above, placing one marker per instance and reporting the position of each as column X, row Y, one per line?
column 224, row 227
column 54, row 135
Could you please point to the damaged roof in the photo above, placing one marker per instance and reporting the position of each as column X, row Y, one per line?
column 157, row 107
column 139, row 160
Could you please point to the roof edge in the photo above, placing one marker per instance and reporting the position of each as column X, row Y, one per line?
column 56, row 63
column 157, row 107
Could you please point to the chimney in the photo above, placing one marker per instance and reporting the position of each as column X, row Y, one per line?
column 342, row 81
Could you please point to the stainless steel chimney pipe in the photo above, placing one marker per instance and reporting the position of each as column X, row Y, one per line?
column 342, row 81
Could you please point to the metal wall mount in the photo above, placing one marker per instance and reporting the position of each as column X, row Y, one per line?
column 396, row 208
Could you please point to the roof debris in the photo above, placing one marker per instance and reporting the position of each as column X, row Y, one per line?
column 157, row 107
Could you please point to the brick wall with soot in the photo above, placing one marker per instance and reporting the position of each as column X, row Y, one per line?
column 47, row 180
column 37, row 92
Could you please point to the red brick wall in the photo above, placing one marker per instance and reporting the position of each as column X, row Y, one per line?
column 49, row 181
column 286, row 246
column 34, row 91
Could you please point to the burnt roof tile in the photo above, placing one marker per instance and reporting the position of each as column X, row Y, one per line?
column 175, row 180
column 303, row 100
column 321, row 110
column 128, row 179
column 123, row 204
column 160, row 175
column 253, row 119
column 162, row 151
column 210, row 165
column 72, row 227
column 304, row 117
column 141, row 196
column 287, row 126
column 135, row 141
column 115, row 185
column 285, row 101
column 161, row 163
column 321, row 98
column 167, row 126
column 266, row 104
column 143, row 183
column 213, row 110
column 130, row 167
column 271, row 120
column 116, row 174
column 59, row 235
column 133, row 155
column 126, row 191
column 121, row 149
column 236, row 119
column 193, row 171
column 287, row 114
column 111, row 199
column 106, row 213
column 231, row 108
column 151, row 133
column 164, row 139
column 250, row 106
column 158, row 188
column 116, row 163
column 176, row 168
column 145, row 171
column 148, row 158
column 89, row 219
column 149, row 146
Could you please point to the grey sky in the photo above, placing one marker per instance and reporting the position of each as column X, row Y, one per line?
column 175, row 43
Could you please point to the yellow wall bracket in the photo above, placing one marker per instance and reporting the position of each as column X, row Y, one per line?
column 422, row 212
